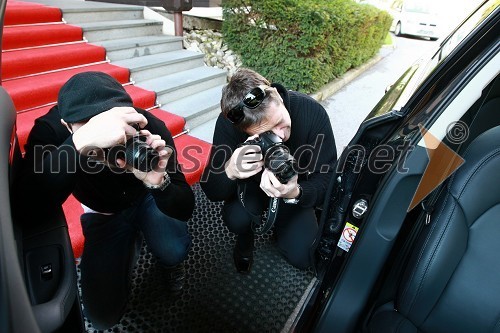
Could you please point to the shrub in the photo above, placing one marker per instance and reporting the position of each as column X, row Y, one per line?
column 303, row 44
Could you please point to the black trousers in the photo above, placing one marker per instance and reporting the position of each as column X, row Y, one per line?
column 295, row 227
column 111, row 244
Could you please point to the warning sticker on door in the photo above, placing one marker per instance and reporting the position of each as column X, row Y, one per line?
column 347, row 237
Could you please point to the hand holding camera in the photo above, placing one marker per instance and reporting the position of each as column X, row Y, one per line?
column 107, row 129
column 276, row 189
column 245, row 162
column 146, row 155
column 115, row 138
column 276, row 156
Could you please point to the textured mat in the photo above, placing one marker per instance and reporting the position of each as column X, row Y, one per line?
column 216, row 298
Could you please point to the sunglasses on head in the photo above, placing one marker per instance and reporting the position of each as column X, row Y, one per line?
column 251, row 100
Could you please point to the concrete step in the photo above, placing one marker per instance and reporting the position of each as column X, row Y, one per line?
column 77, row 15
column 156, row 65
column 110, row 30
column 157, row 62
column 126, row 48
column 205, row 131
column 99, row 15
column 198, row 108
column 78, row 11
column 183, row 84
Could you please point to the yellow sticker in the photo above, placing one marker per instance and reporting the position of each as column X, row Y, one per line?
column 347, row 237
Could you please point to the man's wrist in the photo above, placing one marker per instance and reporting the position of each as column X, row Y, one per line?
column 297, row 194
column 77, row 142
column 81, row 146
column 162, row 185
column 227, row 170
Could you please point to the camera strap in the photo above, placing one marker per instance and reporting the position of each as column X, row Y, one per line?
column 257, row 226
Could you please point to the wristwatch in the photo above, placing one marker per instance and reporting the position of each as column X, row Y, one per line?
column 163, row 185
column 294, row 201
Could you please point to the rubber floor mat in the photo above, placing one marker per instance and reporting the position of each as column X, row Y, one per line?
column 216, row 298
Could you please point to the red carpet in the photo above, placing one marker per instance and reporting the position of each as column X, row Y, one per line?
column 24, row 62
column 25, row 36
column 28, row 13
column 34, row 95
column 42, row 89
column 192, row 154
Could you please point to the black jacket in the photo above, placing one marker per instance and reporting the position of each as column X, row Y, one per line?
column 311, row 142
column 53, row 169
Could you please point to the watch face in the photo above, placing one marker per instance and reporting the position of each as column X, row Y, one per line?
column 291, row 201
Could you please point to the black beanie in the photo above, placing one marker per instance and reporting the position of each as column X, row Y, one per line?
column 89, row 93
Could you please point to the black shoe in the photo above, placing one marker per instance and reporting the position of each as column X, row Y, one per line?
column 174, row 278
column 243, row 255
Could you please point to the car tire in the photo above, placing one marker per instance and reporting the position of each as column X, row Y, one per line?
column 397, row 30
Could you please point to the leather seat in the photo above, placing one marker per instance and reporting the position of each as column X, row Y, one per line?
column 452, row 281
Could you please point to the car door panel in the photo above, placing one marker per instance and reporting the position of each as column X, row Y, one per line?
column 16, row 306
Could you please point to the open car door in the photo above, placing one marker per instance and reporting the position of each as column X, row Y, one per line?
column 38, row 285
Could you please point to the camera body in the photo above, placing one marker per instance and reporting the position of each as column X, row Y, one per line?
column 136, row 153
column 277, row 157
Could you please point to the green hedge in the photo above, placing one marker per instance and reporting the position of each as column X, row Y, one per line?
column 303, row 44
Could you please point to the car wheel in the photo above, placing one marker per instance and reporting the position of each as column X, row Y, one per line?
column 397, row 30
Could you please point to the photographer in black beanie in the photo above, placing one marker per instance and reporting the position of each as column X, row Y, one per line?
column 65, row 153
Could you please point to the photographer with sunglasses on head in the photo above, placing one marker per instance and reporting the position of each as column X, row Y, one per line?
column 256, row 117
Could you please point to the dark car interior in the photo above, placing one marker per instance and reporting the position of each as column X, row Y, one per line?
column 442, row 261
column 453, row 258
column 365, row 289
column 37, row 260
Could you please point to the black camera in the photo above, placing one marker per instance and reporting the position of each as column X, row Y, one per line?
column 277, row 157
column 136, row 153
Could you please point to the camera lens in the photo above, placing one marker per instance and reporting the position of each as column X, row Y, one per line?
column 279, row 161
column 140, row 155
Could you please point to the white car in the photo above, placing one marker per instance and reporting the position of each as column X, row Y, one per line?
column 416, row 18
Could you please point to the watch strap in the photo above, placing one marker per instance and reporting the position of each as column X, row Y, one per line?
column 295, row 200
column 163, row 185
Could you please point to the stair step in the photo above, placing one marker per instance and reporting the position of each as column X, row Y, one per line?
column 198, row 108
column 141, row 98
column 205, row 131
column 126, row 48
column 153, row 66
column 26, row 62
column 193, row 155
column 25, row 122
column 28, row 36
column 78, row 5
column 186, row 83
column 77, row 15
column 108, row 30
column 39, row 90
column 174, row 123
column 28, row 13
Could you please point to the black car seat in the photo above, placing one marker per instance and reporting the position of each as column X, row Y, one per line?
column 452, row 280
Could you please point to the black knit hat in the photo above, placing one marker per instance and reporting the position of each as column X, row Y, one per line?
column 89, row 93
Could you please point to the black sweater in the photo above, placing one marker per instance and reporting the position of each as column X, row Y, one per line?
column 311, row 142
column 53, row 169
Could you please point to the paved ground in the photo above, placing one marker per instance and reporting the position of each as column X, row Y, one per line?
column 349, row 106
